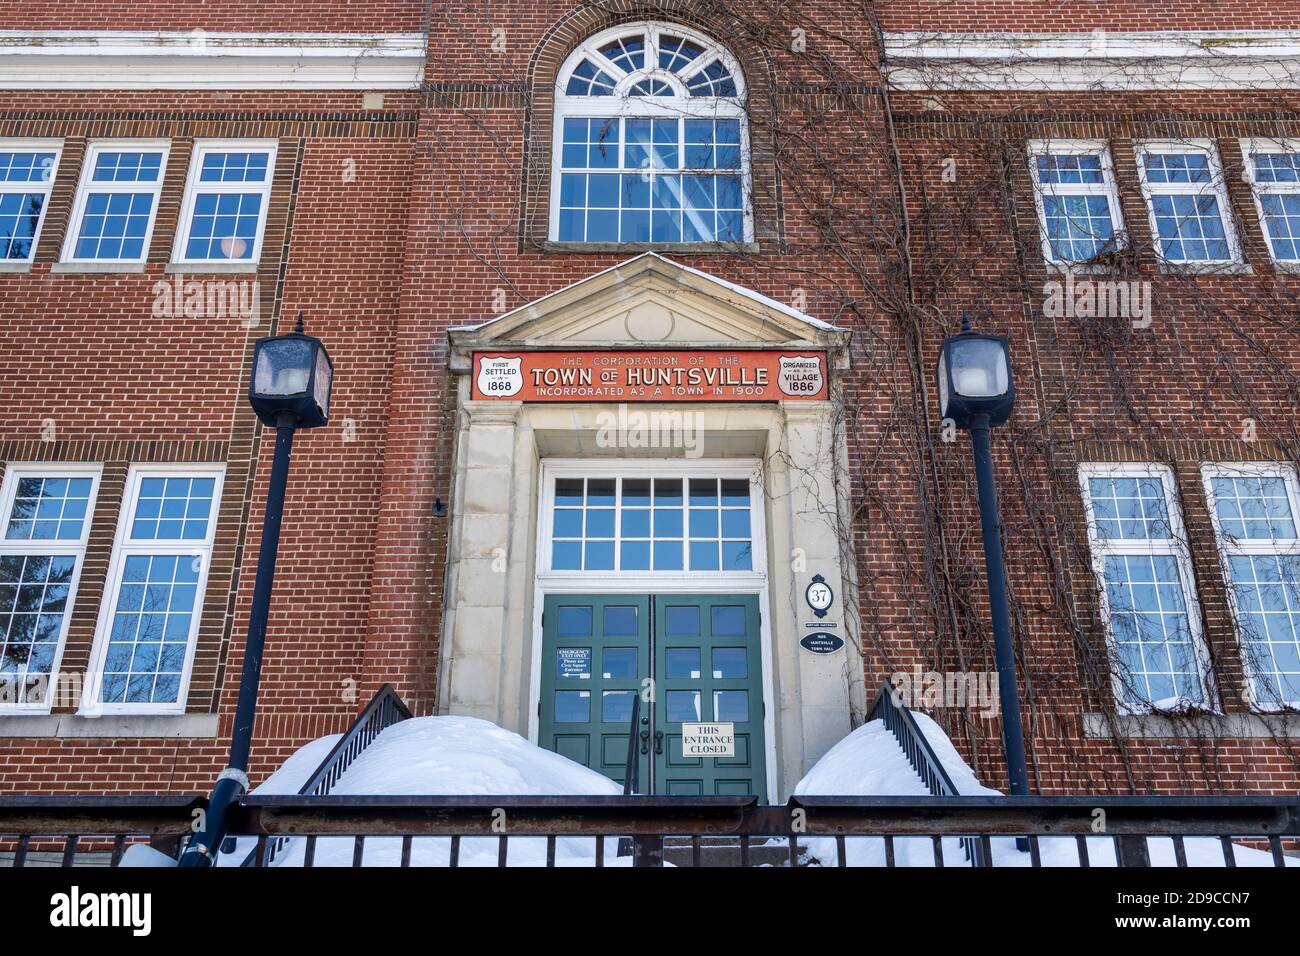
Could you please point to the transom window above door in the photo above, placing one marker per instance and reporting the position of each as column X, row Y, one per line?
column 684, row 523
column 650, row 143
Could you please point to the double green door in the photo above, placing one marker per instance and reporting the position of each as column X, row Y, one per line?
column 691, row 659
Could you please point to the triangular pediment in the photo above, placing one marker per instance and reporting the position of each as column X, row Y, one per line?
column 649, row 302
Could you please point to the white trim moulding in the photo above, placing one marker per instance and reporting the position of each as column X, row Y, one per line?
column 197, row 60
column 1100, row 60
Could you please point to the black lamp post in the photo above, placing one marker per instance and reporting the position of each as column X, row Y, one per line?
column 977, row 393
column 290, row 389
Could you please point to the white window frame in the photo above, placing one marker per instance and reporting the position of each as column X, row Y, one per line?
column 1264, row 144
column 8, row 489
column 1230, row 548
column 671, row 468
column 44, row 186
column 1218, row 184
column 87, row 186
column 193, row 187
column 1108, row 187
column 619, row 104
column 124, row 548
column 1101, row 548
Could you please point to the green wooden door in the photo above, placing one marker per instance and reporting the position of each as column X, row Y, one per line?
column 694, row 658
column 595, row 659
column 708, row 669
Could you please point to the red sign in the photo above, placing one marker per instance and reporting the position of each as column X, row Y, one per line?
column 676, row 375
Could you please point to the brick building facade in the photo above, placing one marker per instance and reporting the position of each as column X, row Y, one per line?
column 409, row 164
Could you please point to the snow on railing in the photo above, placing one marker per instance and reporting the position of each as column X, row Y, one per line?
column 385, row 709
column 898, row 720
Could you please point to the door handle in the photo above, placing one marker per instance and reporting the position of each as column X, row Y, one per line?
column 659, row 741
column 645, row 741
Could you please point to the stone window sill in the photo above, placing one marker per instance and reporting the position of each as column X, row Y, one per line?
column 1078, row 269
column 97, row 268
column 211, row 268
column 20, row 265
column 1212, row 726
column 1206, row 269
column 667, row 248
column 118, row 725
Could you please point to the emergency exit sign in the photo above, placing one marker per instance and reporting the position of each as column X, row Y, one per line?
column 708, row 740
column 668, row 375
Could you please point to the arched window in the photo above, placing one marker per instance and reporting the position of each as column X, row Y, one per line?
column 650, row 141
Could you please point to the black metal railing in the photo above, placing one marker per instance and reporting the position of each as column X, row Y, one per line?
column 899, row 721
column 91, row 830
column 385, row 709
column 631, row 773
column 344, row 830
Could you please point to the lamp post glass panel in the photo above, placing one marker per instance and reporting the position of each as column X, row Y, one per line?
column 292, row 374
column 975, row 378
column 290, row 389
column 976, row 392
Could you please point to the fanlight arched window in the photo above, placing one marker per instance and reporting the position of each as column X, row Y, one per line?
column 651, row 144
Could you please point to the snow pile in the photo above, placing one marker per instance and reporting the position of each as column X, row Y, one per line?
column 302, row 763
column 450, row 756
column 870, row 762
column 442, row 756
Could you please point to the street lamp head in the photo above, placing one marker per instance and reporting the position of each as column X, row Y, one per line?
column 975, row 378
column 292, row 375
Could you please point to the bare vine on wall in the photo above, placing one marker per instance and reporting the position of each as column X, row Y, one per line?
column 889, row 214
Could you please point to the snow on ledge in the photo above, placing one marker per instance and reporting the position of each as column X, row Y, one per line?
column 450, row 756
column 443, row 756
column 869, row 762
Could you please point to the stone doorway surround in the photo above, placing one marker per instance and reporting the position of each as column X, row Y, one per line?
column 490, row 632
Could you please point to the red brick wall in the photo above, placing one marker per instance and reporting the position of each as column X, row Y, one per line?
column 432, row 224
column 88, row 352
column 234, row 16
column 1083, row 15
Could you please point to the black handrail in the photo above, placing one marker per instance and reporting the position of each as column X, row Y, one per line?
column 899, row 721
column 385, row 709
column 632, row 773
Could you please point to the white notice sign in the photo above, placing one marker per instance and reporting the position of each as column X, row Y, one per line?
column 708, row 740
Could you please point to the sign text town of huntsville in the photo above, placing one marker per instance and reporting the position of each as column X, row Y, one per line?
column 650, row 376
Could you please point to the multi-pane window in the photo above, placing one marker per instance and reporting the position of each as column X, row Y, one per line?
column 224, row 213
column 151, row 611
column 1188, row 201
column 26, row 177
column 1256, row 509
column 46, row 521
column 116, row 203
column 651, row 180
column 672, row 58
column 650, row 141
column 1273, row 169
column 1148, row 593
column 652, row 524
column 1077, row 202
